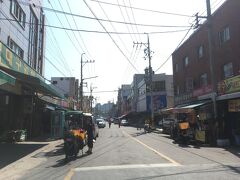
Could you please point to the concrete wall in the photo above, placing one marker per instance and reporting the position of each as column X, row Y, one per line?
column 66, row 85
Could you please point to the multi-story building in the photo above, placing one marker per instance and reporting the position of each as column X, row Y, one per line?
column 22, row 85
column 133, row 97
column 123, row 94
column 162, row 93
column 23, row 32
column 192, row 72
column 67, row 86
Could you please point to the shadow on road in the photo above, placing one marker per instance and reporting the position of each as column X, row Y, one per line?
column 137, row 134
column 64, row 161
column 10, row 153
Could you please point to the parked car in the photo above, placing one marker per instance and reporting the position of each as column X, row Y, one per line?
column 124, row 122
column 116, row 120
column 95, row 129
column 166, row 124
column 101, row 123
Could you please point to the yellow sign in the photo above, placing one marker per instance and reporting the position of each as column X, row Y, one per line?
column 229, row 85
column 200, row 135
column 234, row 105
column 10, row 60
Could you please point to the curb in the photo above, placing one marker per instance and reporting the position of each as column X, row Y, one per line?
column 27, row 157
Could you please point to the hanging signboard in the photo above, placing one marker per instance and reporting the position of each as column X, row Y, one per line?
column 10, row 60
column 234, row 105
column 229, row 85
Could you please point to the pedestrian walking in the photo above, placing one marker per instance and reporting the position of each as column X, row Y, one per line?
column 109, row 123
column 89, row 136
column 139, row 124
column 119, row 123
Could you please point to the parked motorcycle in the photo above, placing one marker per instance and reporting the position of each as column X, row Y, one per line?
column 182, row 132
column 147, row 128
column 74, row 141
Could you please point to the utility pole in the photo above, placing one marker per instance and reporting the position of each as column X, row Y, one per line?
column 81, row 80
column 91, row 98
column 212, row 69
column 147, row 52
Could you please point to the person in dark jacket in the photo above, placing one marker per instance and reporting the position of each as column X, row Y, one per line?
column 90, row 136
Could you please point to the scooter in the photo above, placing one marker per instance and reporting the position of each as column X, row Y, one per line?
column 147, row 128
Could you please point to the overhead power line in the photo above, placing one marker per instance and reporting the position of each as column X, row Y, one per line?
column 66, row 33
column 101, row 32
column 55, row 66
column 176, row 48
column 111, row 37
column 113, row 21
column 88, row 53
column 114, row 28
column 142, row 9
column 103, row 91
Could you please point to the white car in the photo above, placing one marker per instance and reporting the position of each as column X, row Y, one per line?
column 124, row 122
column 101, row 123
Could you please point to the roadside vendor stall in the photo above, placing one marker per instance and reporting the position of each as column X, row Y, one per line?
column 194, row 117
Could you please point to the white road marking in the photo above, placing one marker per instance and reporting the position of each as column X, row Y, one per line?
column 154, row 150
column 128, row 166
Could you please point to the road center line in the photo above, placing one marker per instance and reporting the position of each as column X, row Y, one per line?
column 160, row 154
column 69, row 175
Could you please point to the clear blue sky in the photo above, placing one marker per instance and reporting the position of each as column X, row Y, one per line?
column 116, row 58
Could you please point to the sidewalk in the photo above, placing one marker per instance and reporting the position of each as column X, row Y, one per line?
column 17, row 158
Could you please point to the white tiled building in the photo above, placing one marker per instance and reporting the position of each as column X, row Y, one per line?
column 22, row 30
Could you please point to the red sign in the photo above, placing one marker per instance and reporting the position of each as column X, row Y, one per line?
column 202, row 91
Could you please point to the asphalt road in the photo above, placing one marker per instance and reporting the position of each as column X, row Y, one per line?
column 127, row 154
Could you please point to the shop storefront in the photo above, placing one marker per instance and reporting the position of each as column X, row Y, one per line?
column 229, row 109
column 20, row 106
column 199, row 116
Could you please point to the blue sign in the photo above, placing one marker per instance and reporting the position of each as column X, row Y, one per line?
column 159, row 102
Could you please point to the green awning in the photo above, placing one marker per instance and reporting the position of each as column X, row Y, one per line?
column 34, row 83
column 6, row 78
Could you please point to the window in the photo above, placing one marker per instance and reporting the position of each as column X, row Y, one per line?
column 177, row 90
column 228, row 70
column 186, row 61
column 224, row 35
column 15, row 48
column 200, row 51
column 54, row 82
column 176, row 67
column 40, row 43
column 18, row 12
column 158, row 86
column 203, row 80
column 33, row 39
column 189, row 84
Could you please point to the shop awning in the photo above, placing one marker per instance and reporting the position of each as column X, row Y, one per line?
column 6, row 78
column 184, row 109
column 34, row 83
column 192, row 106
